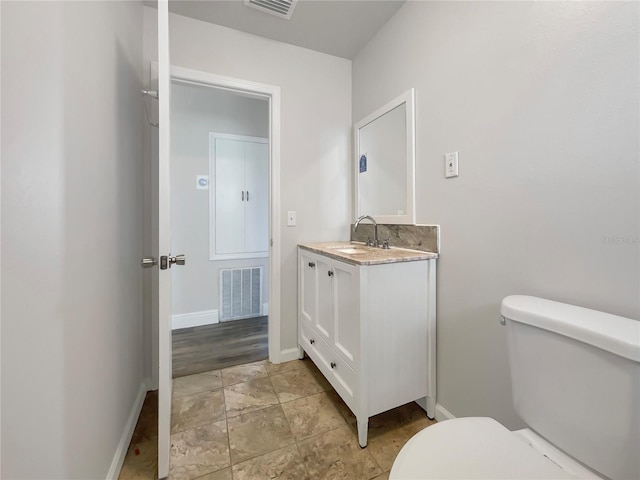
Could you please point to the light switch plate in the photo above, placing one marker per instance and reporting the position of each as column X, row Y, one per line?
column 291, row 218
column 451, row 165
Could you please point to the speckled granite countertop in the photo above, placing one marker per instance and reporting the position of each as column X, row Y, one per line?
column 358, row 253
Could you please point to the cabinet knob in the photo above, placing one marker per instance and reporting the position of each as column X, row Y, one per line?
column 312, row 264
column 312, row 341
column 330, row 273
column 333, row 364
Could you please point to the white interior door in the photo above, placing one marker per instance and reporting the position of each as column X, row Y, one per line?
column 164, row 242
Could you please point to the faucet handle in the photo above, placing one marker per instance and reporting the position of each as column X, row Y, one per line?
column 369, row 241
column 385, row 244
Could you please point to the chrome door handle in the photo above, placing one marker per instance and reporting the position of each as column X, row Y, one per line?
column 177, row 260
column 166, row 261
column 148, row 262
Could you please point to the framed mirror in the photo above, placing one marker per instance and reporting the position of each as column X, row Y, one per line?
column 384, row 144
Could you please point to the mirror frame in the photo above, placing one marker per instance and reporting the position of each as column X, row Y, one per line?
column 409, row 218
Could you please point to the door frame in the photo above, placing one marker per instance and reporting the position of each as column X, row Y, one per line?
column 271, row 93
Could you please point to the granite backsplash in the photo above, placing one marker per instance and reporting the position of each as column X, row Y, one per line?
column 417, row 237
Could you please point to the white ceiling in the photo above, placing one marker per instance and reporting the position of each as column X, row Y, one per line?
column 336, row 27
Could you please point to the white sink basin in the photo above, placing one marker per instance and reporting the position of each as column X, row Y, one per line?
column 352, row 250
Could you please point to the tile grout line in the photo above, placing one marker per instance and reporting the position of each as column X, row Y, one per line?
column 226, row 423
column 265, row 453
column 209, row 390
column 295, row 442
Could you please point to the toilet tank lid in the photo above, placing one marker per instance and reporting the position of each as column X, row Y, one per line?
column 619, row 335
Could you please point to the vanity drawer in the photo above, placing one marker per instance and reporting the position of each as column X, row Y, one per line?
column 311, row 343
column 342, row 377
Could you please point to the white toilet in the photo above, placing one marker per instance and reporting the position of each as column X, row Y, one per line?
column 575, row 377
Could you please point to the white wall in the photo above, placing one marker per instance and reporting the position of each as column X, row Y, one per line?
column 316, row 125
column 71, row 236
column 196, row 111
column 541, row 101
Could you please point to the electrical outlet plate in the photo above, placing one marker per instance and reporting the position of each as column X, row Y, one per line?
column 451, row 165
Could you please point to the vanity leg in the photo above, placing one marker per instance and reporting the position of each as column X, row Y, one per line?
column 428, row 404
column 363, row 427
column 431, row 407
column 300, row 353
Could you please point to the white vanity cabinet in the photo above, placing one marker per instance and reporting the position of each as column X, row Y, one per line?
column 370, row 329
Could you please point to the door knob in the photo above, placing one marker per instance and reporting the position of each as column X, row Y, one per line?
column 177, row 260
column 166, row 261
column 148, row 262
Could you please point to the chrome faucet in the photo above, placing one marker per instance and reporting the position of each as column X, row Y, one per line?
column 376, row 243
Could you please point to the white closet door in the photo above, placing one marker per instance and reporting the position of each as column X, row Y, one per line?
column 230, row 196
column 256, row 157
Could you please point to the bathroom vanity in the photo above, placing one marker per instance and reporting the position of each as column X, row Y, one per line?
column 366, row 317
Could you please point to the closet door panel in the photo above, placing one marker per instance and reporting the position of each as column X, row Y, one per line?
column 257, row 207
column 229, row 197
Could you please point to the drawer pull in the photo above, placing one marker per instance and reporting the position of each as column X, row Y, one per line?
column 333, row 364
column 330, row 273
column 312, row 341
column 312, row 264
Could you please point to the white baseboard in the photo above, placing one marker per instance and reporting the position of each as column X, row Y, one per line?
column 443, row 414
column 194, row 319
column 125, row 439
column 265, row 309
column 288, row 354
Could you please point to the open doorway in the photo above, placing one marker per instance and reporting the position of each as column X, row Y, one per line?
column 220, row 221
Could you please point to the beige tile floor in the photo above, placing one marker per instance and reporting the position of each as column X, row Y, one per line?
column 265, row 421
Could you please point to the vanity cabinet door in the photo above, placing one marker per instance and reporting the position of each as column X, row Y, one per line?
column 308, row 286
column 346, row 312
column 324, row 320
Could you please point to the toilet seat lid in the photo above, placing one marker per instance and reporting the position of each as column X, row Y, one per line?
column 475, row 447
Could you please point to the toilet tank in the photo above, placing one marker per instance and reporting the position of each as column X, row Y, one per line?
column 575, row 377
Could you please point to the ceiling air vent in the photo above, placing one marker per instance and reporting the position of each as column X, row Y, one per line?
column 279, row 8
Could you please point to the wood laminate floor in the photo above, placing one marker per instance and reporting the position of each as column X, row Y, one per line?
column 212, row 347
